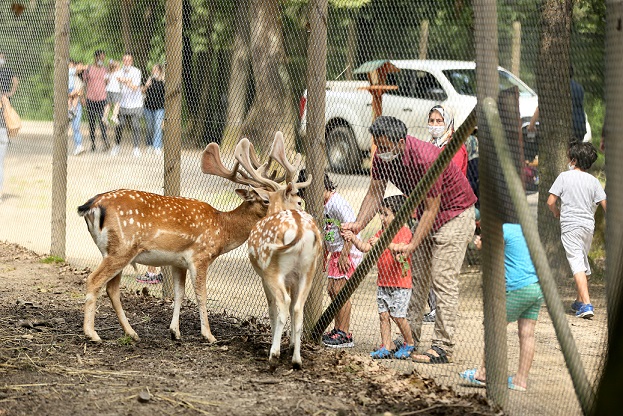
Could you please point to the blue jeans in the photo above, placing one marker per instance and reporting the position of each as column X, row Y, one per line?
column 75, row 125
column 153, row 122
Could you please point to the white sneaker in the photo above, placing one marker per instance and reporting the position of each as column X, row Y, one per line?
column 115, row 150
column 79, row 149
column 137, row 152
column 158, row 151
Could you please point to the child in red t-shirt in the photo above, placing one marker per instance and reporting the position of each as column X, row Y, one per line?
column 394, row 282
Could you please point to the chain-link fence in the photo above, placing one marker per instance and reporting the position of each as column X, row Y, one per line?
column 244, row 68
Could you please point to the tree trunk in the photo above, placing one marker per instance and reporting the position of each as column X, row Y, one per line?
column 238, row 87
column 187, row 56
column 272, row 108
column 126, row 26
column 198, row 113
column 142, row 41
column 553, row 81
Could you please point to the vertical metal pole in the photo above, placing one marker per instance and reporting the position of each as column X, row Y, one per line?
column 315, row 139
column 494, row 293
column 61, row 123
column 172, row 109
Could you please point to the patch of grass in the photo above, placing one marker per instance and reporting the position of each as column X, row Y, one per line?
column 53, row 259
column 125, row 340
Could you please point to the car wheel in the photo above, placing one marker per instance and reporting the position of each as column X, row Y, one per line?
column 343, row 153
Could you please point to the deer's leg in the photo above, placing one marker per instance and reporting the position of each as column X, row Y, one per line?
column 112, row 288
column 279, row 304
column 179, row 279
column 108, row 268
column 200, row 291
column 297, row 314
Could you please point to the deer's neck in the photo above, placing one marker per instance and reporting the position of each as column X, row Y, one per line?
column 237, row 225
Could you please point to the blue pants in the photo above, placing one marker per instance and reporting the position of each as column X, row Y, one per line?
column 153, row 124
column 75, row 125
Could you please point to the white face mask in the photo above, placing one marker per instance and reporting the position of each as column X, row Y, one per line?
column 100, row 63
column 570, row 166
column 436, row 131
column 2, row 62
column 388, row 156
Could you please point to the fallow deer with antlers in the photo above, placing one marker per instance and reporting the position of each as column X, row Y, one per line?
column 285, row 248
column 130, row 227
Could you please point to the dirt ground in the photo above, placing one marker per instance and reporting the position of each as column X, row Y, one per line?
column 47, row 367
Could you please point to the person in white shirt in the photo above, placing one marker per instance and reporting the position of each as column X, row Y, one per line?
column 131, row 104
column 579, row 193
column 113, row 92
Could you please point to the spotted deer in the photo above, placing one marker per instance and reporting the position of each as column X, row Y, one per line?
column 285, row 248
column 130, row 227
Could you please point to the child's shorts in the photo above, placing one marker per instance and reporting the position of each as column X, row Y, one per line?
column 524, row 303
column 333, row 269
column 113, row 97
column 394, row 300
column 577, row 244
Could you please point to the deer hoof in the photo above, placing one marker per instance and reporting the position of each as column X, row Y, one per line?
column 92, row 336
column 134, row 336
column 273, row 361
column 297, row 365
column 175, row 335
column 210, row 338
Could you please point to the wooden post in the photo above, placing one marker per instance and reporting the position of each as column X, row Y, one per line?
column 61, row 123
column 494, row 285
column 172, row 110
column 423, row 49
column 351, row 43
column 516, row 48
column 315, row 139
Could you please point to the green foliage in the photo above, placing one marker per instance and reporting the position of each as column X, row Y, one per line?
column 53, row 259
column 125, row 340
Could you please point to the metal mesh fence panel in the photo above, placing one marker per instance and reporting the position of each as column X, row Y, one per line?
column 400, row 72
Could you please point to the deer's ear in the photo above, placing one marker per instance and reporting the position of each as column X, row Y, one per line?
column 263, row 194
column 246, row 195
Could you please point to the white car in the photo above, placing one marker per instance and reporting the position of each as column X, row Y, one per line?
column 422, row 84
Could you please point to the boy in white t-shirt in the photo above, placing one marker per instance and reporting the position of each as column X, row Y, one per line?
column 343, row 259
column 579, row 193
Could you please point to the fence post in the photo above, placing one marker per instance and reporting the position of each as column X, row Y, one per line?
column 493, row 288
column 61, row 123
column 314, row 146
column 172, row 110
column 609, row 398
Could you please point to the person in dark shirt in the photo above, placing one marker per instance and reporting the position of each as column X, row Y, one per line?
column 446, row 225
column 154, row 108
column 578, row 116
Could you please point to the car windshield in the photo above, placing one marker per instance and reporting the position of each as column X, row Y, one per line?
column 464, row 82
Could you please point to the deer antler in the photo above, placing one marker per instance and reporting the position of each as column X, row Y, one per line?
column 211, row 164
column 242, row 153
column 278, row 153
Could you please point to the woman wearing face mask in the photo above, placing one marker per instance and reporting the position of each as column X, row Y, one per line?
column 441, row 129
